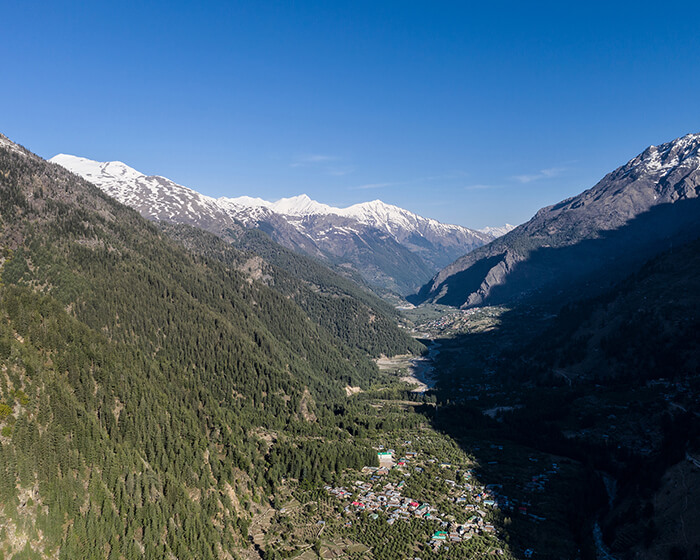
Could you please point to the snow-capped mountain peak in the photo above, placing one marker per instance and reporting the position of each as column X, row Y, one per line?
column 497, row 231
column 590, row 240
column 96, row 169
column 300, row 205
column 153, row 196
column 374, row 213
column 377, row 210
column 683, row 151
column 392, row 247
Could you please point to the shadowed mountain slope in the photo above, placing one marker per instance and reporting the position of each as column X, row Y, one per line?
column 644, row 328
column 584, row 244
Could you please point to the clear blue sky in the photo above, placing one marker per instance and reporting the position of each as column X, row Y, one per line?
column 472, row 113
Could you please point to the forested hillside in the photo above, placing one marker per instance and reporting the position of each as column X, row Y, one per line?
column 137, row 378
column 645, row 328
column 338, row 305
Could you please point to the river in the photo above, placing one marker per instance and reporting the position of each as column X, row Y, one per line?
column 602, row 551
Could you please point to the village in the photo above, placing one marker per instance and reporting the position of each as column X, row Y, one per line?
column 467, row 508
column 463, row 321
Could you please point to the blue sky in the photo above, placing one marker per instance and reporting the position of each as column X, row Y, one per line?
column 471, row 113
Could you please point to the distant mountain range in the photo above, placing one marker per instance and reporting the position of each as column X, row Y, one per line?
column 584, row 244
column 392, row 248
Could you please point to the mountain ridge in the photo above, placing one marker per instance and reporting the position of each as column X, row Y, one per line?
column 391, row 247
column 615, row 208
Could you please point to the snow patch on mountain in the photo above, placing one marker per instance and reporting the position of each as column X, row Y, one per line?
column 497, row 231
column 390, row 246
column 8, row 144
column 153, row 196
column 684, row 151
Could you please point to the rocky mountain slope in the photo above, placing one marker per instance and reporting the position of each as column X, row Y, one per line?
column 584, row 244
column 392, row 248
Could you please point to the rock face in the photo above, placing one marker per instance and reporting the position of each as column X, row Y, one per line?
column 390, row 247
column 584, row 243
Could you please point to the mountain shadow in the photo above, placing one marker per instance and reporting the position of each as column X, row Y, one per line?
column 602, row 395
column 585, row 268
column 612, row 210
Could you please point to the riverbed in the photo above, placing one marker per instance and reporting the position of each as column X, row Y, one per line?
column 417, row 371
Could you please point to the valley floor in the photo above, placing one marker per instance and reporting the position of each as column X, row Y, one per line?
column 493, row 467
column 434, row 495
